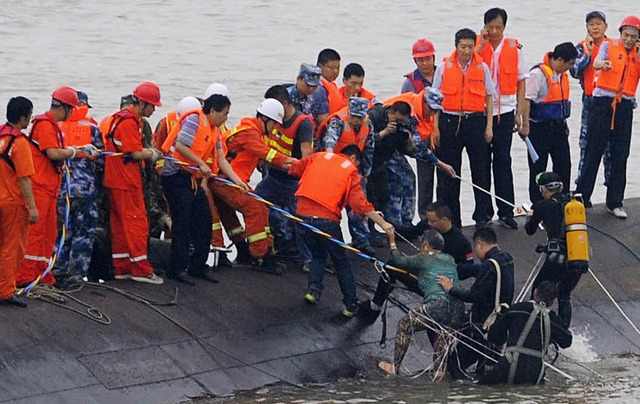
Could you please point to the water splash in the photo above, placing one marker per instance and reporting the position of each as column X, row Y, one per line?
column 581, row 350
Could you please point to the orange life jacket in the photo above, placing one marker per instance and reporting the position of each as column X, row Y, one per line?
column 203, row 142
column 463, row 92
column 77, row 129
column 556, row 105
column 282, row 138
column 589, row 73
column 327, row 168
column 57, row 165
column 508, row 64
column 348, row 135
column 333, row 95
column 212, row 158
column 244, row 163
column 625, row 70
column 425, row 127
column 7, row 130
column 344, row 101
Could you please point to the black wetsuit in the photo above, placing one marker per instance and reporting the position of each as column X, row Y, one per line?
column 550, row 213
column 509, row 328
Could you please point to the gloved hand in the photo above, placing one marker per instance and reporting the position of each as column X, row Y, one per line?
column 73, row 150
column 90, row 151
column 155, row 154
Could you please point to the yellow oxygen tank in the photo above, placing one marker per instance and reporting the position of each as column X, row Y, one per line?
column 576, row 234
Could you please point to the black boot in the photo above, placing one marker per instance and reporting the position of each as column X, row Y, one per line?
column 564, row 310
column 270, row 265
column 223, row 260
column 244, row 256
column 205, row 273
column 15, row 301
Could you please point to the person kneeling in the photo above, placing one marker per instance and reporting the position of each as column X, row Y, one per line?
column 527, row 328
column 439, row 310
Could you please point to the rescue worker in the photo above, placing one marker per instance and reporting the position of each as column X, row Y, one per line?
column 509, row 70
column 424, row 56
column 327, row 92
column 438, row 309
column 353, row 82
column 611, row 114
column 350, row 125
column 17, row 204
column 321, row 207
column 527, row 328
column 494, row 281
column 550, row 212
column 123, row 179
column 306, row 84
column 465, row 122
column 80, row 131
column 191, row 141
column 48, row 152
column 246, row 146
column 168, row 122
column 583, row 70
column 544, row 118
column 294, row 138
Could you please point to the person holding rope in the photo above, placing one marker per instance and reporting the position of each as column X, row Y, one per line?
column 439, row 309
column 322, row 206
column 492, row 289
column 527, row 328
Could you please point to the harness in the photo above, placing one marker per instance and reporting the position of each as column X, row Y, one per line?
column 556, row 247
column 497, row 307
column 117, row 120
column 57, row 165
column 5, row 154
column 512, row 353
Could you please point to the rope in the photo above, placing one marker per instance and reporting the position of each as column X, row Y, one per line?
column 530, row 279
column 57, row 297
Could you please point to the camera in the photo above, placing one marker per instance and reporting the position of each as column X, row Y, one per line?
column 404, row 128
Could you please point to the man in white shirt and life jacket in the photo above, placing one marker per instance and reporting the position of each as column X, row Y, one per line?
column 294, row 138
column 192, row 140
column 544, row 118
column 246, row 147
column 509, row 70
column 583, row 70
column 327, row 92
column 611, row 115
column 348, row 126
column 466, row 122
column 322, row 207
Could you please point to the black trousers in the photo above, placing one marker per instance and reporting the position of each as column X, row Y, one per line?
column 500, row 161
column 191, row 223
column 599, row 134
column 425, row 186
column 458, row 133
column 565, row 280
column 550, row 139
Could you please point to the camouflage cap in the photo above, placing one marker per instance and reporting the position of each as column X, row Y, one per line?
column 358, row 106
column 310, row 74
column 434, row 98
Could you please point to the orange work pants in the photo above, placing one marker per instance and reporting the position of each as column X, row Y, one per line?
column 129, row 232
column 256, row 216
column 14, row 222
column 41, row 240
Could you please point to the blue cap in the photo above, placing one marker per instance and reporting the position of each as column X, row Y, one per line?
column 358, row 106
column 83, row 98
column 434, row 98
column 310, row 74
column 596, row 14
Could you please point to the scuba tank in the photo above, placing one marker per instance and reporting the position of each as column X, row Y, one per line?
column 576, row 235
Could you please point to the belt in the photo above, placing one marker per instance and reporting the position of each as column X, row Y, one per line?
column 466, row 115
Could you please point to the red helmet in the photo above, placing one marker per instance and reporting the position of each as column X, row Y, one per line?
column 66, row 95
column 423, row 48
column 148, row 92
column 630, row 21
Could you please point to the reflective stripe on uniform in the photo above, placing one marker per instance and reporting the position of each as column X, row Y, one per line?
column 235, row 231
column 274, row 145
column 576, row 227
column 139, row 258
column 216, row 226
column 37, row 258
column 257, row 237
column 272, row 153
column 117, row 142
column 120, row 255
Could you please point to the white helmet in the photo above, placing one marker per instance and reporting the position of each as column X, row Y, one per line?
column 272, row 109
column 187, row 104
column 216, row 88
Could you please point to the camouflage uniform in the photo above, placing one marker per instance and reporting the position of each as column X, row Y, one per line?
column 153, row 194
column 402, row 191
column 75, row 256
column 311, row 75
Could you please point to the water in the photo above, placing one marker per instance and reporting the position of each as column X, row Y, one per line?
column 106, row 48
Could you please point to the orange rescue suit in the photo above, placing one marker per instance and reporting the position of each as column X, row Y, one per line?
column 463, row 92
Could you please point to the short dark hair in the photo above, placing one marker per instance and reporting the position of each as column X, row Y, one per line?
column 17, row 108
column 401, row 107
column 279, row 92
column 434, row 239
column 327, row 55
column 485, row 234
column 352, row 150
column 565, row 51
column 547, row 292
column 465, row 33
column 493, row 13
column 353, row 69
column 441, row 210
column 216, row 102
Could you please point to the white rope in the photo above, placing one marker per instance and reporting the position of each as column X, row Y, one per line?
column 529, row 282
column 614, row 302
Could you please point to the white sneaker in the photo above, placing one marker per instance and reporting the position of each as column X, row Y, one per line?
column 122, row 277
column 618, row 212
column 153, row 279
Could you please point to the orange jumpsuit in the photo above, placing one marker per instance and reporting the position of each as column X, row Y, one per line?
column 247, row 143
column 128, row 217
column 46, row 186
column 13, row 210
